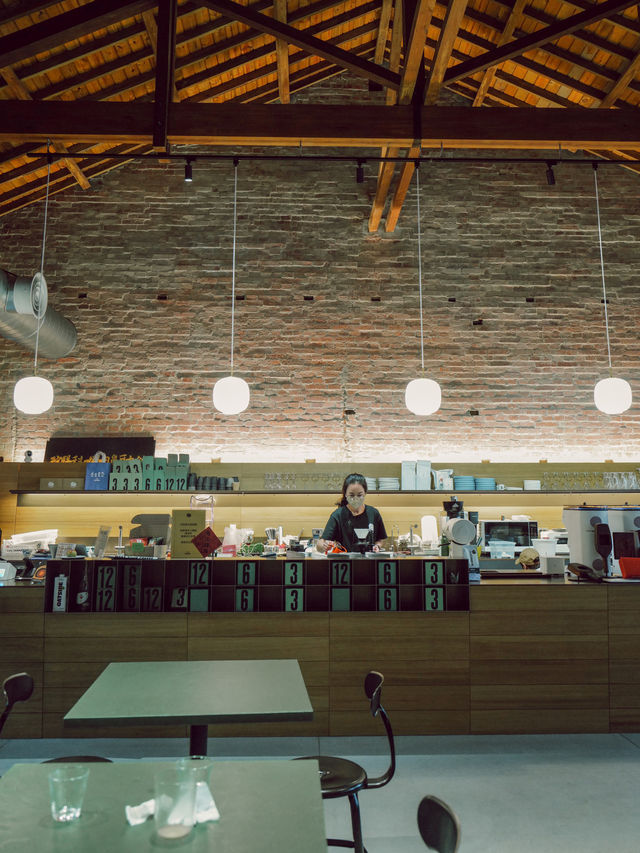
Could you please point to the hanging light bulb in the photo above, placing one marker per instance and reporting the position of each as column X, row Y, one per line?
column 612, row 395
column 33, row 395
column 231, row 394
column 422, row 396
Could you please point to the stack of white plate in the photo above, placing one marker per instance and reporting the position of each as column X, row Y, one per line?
column 388, row 484
column 485, row 484
column 372, row 484
column 464, row 483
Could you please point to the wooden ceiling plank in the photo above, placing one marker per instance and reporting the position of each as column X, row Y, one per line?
column 318, row 47
column 251, row 56
column 622, row 82
column 324, row 124
column 448, row 34
column 383, row 30
column 21, row 8
column 268, row 70
column 627, row 24
column 414, row 49
column 282, row 54
column 165, row 60
column 24, row 94
column 513, row 22
column 68, row 26
column 533, row 40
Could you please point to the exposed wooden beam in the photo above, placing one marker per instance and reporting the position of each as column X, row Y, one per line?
column 414, row 48
column 514, row 22
column 315, row 46
column 386, row 170
column 622, row 82
column 448, row 33
column 165, row 60
column 22, row 93
column 323, row 124
column 68, row 26
column 383, row 30
column 282, row 53
column 406, row 173
column 533, row 40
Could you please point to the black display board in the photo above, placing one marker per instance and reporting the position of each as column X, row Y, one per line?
column 256, row 585
column 83, row 448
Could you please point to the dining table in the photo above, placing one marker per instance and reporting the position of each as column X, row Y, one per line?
column 270, row 806
column 195, row 692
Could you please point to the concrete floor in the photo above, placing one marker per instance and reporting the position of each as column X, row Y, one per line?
column 513, row 794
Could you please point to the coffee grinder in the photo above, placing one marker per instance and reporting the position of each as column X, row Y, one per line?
column 460, row 531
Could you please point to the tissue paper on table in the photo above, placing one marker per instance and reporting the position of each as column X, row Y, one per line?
column 205, row 808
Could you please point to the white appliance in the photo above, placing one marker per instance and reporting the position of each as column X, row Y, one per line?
column 462, row 535
column 519, row 531
column 623, row 519
column 580, row 522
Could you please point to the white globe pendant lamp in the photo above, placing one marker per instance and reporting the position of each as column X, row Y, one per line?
column 612, row 395
column 422, row 396
column 33, row 395
column 231, row 394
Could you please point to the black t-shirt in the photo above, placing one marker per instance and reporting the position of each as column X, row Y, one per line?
column 342, row 524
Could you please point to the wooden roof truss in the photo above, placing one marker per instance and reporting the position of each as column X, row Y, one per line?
column 156, row 74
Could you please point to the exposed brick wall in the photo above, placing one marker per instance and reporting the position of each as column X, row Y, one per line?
column 493, row 235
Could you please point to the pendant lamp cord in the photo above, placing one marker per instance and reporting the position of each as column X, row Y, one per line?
column 39, row 312
column 419, row 266
column 604, row 288
column 233, row 266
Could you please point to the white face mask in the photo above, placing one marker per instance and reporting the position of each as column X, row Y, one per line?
column 355, row 501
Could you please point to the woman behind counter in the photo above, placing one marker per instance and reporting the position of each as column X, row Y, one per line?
column 352, row 515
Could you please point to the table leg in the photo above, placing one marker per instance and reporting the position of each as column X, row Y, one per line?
column 198, row 740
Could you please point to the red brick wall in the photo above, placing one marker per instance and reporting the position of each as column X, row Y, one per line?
column 493, row 236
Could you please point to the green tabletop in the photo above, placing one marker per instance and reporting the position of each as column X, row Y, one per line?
column 265, row 807
column 194, row 692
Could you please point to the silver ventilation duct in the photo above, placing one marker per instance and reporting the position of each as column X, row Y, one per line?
column 58, row 336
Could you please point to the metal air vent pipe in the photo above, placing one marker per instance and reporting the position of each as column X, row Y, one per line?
column 58, row 336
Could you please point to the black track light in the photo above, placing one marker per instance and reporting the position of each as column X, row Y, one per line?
column 359, row 173
column 188, row 172
column 551, row 178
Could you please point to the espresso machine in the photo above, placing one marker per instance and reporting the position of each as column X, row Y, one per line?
column 600, row 535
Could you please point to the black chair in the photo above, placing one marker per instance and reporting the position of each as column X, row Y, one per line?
column 438, row 825
column 340, row 777
column 16, row 688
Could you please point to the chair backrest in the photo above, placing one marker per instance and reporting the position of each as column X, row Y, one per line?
column 17, row 688
column 438, row 825
column 373, row 688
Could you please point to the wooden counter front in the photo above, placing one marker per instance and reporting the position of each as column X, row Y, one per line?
column 532, row 657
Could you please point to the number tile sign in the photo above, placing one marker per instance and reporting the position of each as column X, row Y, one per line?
column 259, row 585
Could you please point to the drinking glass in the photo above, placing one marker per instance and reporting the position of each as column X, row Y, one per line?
column 175, row 795
column 67, row 787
